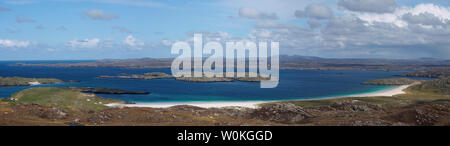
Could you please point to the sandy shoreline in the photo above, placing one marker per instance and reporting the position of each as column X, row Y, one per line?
column 254, row 104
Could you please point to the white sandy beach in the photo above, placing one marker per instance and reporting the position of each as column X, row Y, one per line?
column 253, row 104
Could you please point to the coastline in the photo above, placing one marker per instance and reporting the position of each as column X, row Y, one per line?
column 254, row 104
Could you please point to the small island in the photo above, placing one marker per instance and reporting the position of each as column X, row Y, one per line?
column 146, row 76
column 19, row 81
column 161, row 75
column 106, row 91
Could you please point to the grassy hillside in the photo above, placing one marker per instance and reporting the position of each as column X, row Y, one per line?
column 391, row 81
column 440, row 86
column 63, row 98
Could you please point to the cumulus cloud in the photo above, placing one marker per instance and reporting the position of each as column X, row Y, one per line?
column 251, row 13
column 4, row 9
column 313, row 23
column 422, row 18
column 407, row 32
column 374, row 6
column 86, row 43
column 300, row 14
column 14, row 43
column 132, row 42
column 24, row 20
column 99, row 15
column 166, row 42
column 403, row 16
column 318, row 11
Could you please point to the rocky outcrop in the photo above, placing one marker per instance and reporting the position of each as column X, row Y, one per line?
column 281, row 113
column 45, row 112
column 392, row 81
column 354, row 106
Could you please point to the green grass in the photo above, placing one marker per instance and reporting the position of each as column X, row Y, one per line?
column 63, row 98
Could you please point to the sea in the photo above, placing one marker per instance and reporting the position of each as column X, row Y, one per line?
column 293, row 84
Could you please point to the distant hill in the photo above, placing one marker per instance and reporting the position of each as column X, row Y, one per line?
column 295, row 62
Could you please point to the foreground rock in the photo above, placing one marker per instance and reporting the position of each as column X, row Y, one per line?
column 392, row 81
column 19, row 81
column 354, row 106
column 281, row 113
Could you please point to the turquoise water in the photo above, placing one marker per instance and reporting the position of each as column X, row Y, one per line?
column 294, row 84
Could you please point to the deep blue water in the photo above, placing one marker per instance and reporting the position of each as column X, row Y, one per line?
column 294, row 84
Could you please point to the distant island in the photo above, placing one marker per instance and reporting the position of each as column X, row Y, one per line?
column 107, row 91
column 19, row 81
column 294, row 62
column 161, row 75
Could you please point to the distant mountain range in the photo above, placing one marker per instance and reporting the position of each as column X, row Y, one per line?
column 286, row 62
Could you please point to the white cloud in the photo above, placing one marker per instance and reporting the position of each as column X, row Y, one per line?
column 167, row 42
column 14, row 43
column 397, row 17
column 318, row 11
column 131, row 41
column 86, row 43
column 255, row 14
column 375, row 6
column 99, row 15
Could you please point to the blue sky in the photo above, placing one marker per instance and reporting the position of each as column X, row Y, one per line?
column 97, row 29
